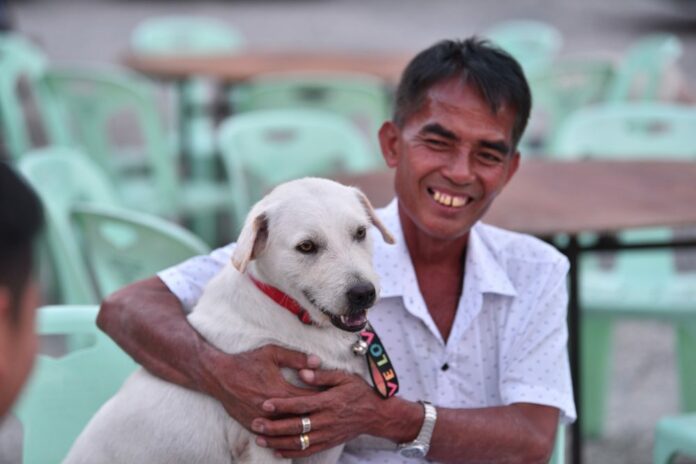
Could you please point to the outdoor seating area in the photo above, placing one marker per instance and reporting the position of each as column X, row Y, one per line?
column 156, row 155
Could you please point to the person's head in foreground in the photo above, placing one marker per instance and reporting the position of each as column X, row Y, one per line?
column 21, row 219
column 461, row 108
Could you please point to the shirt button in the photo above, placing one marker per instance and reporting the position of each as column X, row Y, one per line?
column 445, row 367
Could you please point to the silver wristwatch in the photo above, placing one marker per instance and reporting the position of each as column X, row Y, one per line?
column 419, row 447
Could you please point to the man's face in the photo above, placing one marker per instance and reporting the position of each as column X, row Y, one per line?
column 18, row 344
column 452, row 158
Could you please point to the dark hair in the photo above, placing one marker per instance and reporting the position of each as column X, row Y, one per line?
column 21, row 219
column 496, row 74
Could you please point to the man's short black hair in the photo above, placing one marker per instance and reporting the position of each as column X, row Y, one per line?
column 496, row 74
column 21, row 220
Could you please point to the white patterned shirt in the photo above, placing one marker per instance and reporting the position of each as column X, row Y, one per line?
column 508, row 340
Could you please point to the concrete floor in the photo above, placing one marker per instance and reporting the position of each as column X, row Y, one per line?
column 643, row 385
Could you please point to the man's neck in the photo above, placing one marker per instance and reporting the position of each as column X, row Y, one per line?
column 427, row 251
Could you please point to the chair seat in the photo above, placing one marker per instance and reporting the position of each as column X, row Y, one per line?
column 675, row 435
column 612, row 294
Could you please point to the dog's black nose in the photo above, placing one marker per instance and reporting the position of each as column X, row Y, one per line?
column 361, row 296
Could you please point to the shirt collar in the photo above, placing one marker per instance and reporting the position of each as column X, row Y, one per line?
column 482, row 261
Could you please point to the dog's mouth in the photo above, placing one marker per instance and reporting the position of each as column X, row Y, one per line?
column 354, row 321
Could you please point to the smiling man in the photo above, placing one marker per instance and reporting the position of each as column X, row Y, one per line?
column 473, row 317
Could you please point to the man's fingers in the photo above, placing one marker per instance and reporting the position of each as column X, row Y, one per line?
column 294, row 359
column 300, row 405
column 326, row 378
column 293, row 443
column 288, row 426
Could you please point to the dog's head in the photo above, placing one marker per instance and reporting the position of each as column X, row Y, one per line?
column 310, row 239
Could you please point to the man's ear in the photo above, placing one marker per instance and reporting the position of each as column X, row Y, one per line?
column 252, row 241
column 389, row 141
column 374, row 219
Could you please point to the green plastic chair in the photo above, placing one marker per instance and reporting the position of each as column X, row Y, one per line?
column 647, row 130
column 636, row 283
column 566, row 87
column 63, row 394
column 22, row 62
column 191, row 35
column 534, row 44
column 93, row 99
column 263, row 148
column 123, row 246
column 641, row 71
column 362, row 99
column 64, row 177
column 559, row 448
column 674, row 436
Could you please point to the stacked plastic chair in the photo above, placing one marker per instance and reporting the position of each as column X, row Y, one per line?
column 362, row 99
column 263, row 148
column 641, row 71
column 534, row 44
column 641, row 283
column 93, row 99
column 22, row 62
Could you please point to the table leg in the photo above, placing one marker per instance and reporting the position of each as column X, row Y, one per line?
column 572, row 252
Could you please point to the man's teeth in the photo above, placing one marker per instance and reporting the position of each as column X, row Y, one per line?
column 449, row 200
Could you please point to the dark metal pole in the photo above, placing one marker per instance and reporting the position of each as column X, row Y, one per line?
column 572, row 252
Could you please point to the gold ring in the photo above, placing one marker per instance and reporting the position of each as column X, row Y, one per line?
column 304, row 441
column 306, row 425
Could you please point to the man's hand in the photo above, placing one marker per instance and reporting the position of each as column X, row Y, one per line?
column 244, row 381
column 338, row 414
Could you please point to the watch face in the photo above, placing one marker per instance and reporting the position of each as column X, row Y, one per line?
column 413, row 451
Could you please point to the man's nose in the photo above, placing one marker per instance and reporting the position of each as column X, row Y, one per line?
column 459, row 170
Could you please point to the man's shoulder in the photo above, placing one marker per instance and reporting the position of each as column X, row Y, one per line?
column 507, row 245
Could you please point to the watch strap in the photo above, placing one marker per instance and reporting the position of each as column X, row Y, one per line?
column 426, row 431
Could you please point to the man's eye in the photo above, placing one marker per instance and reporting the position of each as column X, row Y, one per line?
column 306, row 247
column 360, row 233
column 491, row 157
column 436, row 143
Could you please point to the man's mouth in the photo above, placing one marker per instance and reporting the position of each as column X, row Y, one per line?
column 447, row 199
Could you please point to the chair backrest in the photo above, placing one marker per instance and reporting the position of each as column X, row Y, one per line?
column 63, row 178
column 263, row 148
column 122, row 246
column 568, row 86
column 362, row 99
column 534, row 44
column 21, row 62
column 63, row 393
column 640, row 73
column 185, row 35
column 92, row 98
column 629, row 131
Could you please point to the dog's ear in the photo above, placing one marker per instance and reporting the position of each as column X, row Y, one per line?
column 386, row 235
column 251, row 242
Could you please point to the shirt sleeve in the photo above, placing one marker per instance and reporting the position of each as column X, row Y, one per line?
column 188, row 279
column 534, row 363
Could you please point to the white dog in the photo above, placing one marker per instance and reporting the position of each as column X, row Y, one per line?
column 308, row 238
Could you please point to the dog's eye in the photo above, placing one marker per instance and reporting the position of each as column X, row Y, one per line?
column 307, row 247
column 360, row 233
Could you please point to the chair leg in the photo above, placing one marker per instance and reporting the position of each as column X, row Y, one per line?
column 595, row 360
column 686, row 354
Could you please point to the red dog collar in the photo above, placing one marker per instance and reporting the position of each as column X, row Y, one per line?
column 284, row 300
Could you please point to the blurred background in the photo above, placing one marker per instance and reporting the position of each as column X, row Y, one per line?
column 142, row 164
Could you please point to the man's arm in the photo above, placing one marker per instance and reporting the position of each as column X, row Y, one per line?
column 146, row 320
column 518, row 433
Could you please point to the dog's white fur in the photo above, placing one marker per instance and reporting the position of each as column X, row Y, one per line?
column 153, row 421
